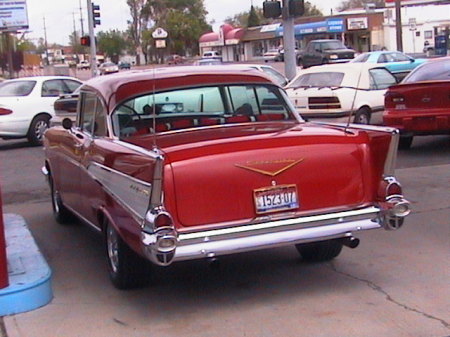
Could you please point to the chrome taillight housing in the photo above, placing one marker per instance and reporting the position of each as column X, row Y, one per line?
column 159, row 237
column 394, row 205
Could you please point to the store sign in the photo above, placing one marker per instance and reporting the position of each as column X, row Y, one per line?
column 391, row 3
column 210, row 44
column 13, row 15
column 335, row 25
column 270, row 28
column 357, row 23
column 159, row 33
column 160, row 43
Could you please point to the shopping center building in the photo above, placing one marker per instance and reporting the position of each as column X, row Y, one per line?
column 425, row 24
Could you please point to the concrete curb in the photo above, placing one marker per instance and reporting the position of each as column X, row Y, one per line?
column 29, row 274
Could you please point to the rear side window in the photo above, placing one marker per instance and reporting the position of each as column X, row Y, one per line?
column 325, row 79
column 16, row 88
column 432, row 71
column 381, row 79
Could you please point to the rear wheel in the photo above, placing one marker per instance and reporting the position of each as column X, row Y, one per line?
column 319, row 251
column 127, row 270
column 300, row 63
column 38, row 126
column 362, row 116
column 405, row 142
column 60, row 212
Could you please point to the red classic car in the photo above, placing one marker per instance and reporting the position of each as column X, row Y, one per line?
column 186, row 163
column 420, row 105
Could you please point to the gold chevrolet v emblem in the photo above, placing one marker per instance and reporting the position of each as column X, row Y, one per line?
column 270, row 168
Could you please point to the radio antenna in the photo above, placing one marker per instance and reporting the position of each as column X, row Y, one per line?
column 154, row 108
column 353, row 101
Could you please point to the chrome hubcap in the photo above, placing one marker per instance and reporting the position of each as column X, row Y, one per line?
column 362, row 119
column 55, row 200
column 40, row 128
column 113, row 248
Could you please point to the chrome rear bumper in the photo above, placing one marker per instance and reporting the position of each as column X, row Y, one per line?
column 255, row 236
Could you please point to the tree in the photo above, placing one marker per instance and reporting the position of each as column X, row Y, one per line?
column 139, row 15
column 348, row 4
column 312, row 10
column 111, row 43
column 75, row 43
column 184, row 20
column 243, row 19
column 253, row 19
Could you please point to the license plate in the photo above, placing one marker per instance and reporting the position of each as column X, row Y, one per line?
column 276, row 198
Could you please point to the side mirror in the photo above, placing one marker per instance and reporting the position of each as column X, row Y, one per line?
column 67, row 123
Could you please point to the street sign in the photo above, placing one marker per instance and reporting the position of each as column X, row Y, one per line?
column 159, row 33
column 13, row 15
column 160, row 43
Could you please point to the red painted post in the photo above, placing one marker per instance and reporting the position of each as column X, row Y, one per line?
column 3, row 264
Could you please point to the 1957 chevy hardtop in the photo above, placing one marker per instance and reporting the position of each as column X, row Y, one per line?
column 185, row 163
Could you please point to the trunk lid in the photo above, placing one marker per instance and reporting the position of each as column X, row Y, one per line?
column 214, row 173
column 419, row 98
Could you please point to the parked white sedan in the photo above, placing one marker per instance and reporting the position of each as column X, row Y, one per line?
column 26, row 105
column 341, row 92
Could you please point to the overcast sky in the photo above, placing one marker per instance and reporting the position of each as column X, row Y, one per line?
column 61, row 15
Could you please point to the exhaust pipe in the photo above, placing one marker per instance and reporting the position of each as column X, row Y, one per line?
column 350, row 242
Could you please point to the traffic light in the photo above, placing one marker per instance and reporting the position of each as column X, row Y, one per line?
column 85, row 40
column 296, row 7
column 271, row 9
column 95, row 14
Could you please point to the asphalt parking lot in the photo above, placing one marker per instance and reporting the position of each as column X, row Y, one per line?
column 393, row 284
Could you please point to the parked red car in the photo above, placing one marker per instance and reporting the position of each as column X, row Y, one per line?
column 187, row 163
column 420, row 105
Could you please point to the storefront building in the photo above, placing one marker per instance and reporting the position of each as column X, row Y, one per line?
column 227, row 42
column 424, row 26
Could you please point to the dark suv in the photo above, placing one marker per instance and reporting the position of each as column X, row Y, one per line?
column 324, row 51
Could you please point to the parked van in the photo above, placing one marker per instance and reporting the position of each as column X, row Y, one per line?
column 211, row 54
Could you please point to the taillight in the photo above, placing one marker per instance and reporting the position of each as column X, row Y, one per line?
column 393, row 188
column 4, row 111
column 163, row 220
column 388, row 188
column 331, row 102
column 394, row 100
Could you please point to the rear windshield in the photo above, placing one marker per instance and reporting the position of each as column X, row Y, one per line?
column 432, row 71
column 202, row 107
column 16, row 88
column 325, row 79
column 361, row 58
column 332, row 45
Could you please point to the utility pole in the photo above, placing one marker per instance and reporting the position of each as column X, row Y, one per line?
column 288, row 10
column 92, row 38
column 46, row 45
column 81, row 20
column 75, row 38
column 398, row 25
column 9, row 50
column 288, row 42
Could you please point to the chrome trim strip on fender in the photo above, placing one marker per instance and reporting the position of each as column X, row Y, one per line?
column 131, row 193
